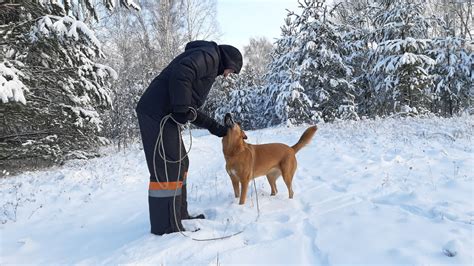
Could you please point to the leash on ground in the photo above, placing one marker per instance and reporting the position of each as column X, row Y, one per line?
column 162, row 153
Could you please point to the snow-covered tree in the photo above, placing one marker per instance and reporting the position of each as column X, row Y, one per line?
column 399, row 63
column 379, row 32
column 355, row 23
column 59, row 86
column 325, row 75
column 246, row 104
column 287, row 102
column 309, row 79
column 453, row 75
column 243, row 98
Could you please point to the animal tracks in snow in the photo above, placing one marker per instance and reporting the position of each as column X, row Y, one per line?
column 325, row 198
column 410, row 203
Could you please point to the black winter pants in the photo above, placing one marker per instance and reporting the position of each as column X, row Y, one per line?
column 162, row 202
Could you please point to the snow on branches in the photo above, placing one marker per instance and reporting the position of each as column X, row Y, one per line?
column 65, row 7
column 66, row 27
column 51, row 67
column 309, row 79
column 399, row 64
column 11, row 87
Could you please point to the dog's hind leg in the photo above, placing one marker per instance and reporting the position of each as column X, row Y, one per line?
column 288, row 177
column 288, row 171
column 272, row 177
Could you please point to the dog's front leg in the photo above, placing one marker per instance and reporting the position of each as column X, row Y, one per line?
column 244, row 184
column 235, row 185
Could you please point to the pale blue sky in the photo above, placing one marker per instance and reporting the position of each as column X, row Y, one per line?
column 240, row 20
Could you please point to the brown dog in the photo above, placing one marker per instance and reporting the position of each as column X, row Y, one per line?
column 246, row 161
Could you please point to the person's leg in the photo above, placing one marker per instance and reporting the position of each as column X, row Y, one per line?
column 184, row 200
column 164, row 195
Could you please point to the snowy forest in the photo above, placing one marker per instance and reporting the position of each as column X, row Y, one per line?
column 72, row 71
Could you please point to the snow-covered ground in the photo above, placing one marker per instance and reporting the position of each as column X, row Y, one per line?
column 394, row 191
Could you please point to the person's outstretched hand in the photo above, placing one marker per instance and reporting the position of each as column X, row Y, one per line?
column 218, row 130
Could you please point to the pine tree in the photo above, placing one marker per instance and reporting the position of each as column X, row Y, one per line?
column 355, row 20
column 399, row 65
column 309, row 79
column 286, row 101
column 453, row 75
column 245, row 104
column 53, row 57
column 326, row 76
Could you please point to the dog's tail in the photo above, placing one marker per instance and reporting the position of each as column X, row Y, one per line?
column 305, row 138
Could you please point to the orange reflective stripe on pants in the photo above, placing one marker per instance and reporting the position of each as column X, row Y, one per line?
column 166, row 189
column 165, row 185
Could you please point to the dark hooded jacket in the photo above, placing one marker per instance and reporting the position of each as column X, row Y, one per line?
column 186, row 81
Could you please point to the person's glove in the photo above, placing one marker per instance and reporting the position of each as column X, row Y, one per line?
column 204, row 121
column 218, row 130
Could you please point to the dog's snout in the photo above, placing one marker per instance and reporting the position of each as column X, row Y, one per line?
column 228, row 121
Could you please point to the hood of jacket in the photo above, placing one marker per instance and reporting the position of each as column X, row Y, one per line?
column 207, row 45
column 199, row 44
column 229, row 56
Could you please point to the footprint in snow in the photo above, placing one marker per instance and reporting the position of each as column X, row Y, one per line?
column 451, row 248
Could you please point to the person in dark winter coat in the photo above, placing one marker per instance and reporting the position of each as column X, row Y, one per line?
column 180, row 89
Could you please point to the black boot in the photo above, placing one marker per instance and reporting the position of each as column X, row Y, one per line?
column 184, row 207
column 162, row 219
column 199, row 216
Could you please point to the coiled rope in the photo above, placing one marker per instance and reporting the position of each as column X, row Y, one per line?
column 162, row 153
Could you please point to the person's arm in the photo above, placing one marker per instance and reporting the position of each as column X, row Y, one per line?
column 204, row 121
